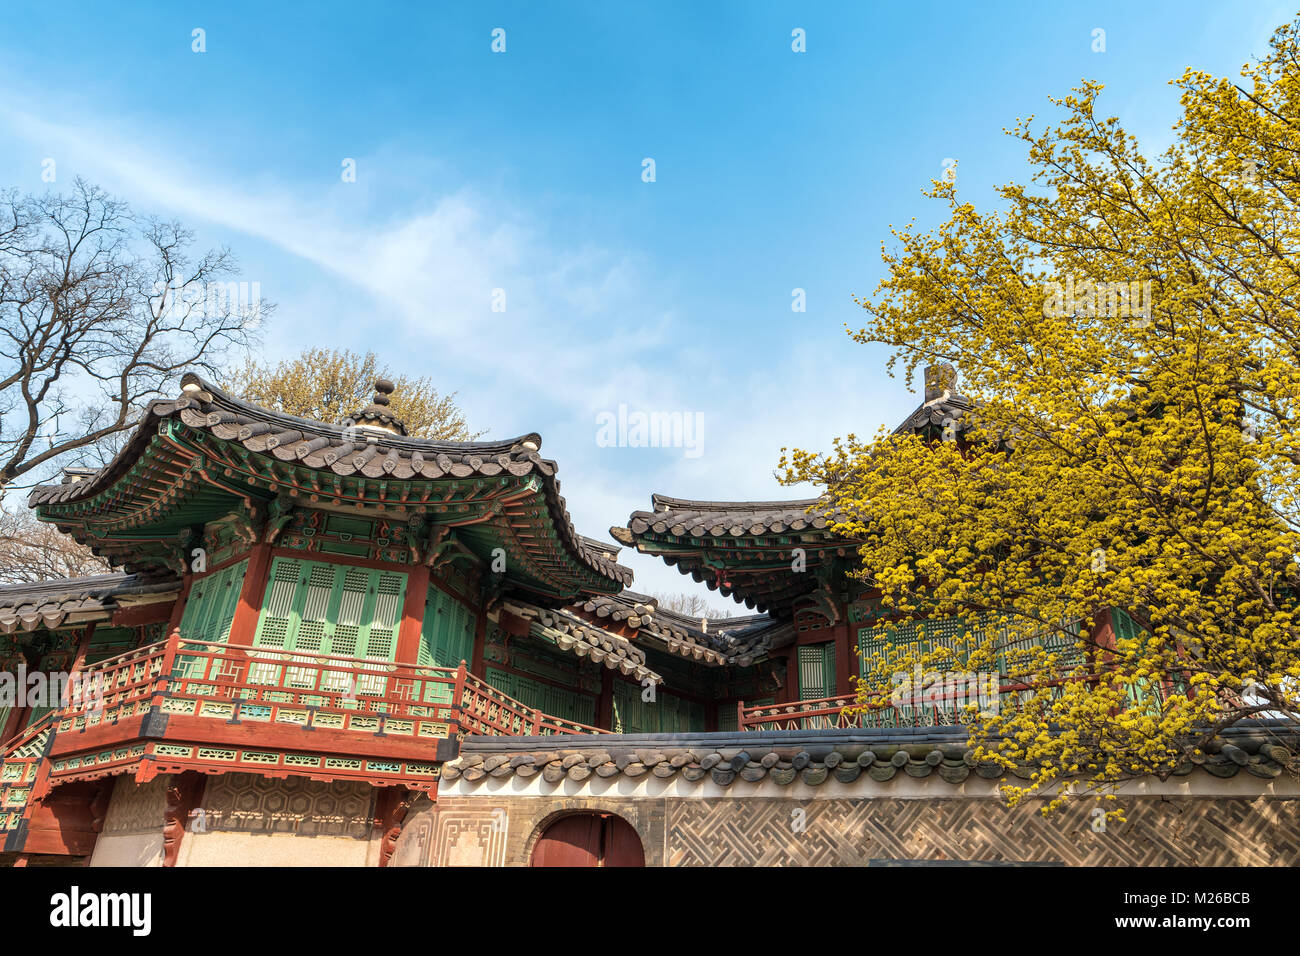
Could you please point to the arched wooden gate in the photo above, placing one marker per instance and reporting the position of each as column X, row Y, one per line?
column 589, row 839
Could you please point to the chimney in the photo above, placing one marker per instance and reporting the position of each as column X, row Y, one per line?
column 940, row 382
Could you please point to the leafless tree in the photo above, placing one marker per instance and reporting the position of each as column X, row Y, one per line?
column 99, row 309
column 31, row 550
column 692, row 605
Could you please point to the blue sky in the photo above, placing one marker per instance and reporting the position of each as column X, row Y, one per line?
column 522, row 171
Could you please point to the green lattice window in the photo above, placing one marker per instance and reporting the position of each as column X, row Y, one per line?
column 447, row 633
column 446, row 639
column 1144, row 690
column 925, row 635
column 959, row 635
column 313, row 607
column 549, row 699
column 210, row 607
column 209, row 614
column 666, row 714
column 816, row 670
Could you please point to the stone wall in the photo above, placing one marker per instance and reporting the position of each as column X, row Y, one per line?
column 470, row 832
column 132, row 833
column 1234, row 822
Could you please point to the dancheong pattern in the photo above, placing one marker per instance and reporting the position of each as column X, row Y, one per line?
column 1261, row 832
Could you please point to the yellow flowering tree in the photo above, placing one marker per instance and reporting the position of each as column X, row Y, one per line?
column 1128, row 334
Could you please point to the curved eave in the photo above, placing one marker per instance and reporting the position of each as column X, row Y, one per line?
column 742, row 549
column 574, row 635
column 718, row 642
column 244, row 450
column 65, row 602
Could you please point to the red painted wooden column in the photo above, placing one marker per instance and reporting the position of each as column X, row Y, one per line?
column 417, row 595
column 178, row 609
column 789, row 691
column 251, row 594
column 78, row 661
column 844, row 658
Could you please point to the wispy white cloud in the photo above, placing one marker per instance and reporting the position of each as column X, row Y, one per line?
column 584, row 330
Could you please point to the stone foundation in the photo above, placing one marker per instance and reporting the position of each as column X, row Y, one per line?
column 244, row 820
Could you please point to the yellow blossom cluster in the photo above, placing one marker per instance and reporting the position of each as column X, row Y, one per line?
column 1128, row 332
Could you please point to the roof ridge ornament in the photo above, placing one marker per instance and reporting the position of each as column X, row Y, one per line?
column 376, row 416
column 940, row 383
column 192, row 387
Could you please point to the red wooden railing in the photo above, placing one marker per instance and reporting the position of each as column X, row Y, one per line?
column 117, row 688
column 230, row 681
column 486, row 710
column 342, row 693
column 20, row 759
column 819, row 714
column 936, row 710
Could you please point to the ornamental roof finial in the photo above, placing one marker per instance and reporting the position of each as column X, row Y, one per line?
column 376, row 415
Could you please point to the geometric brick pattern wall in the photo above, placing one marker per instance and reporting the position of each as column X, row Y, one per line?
column 451, row 837
column 727, row 831
column 845, row 832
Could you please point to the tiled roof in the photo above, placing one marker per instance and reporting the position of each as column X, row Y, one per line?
column 25, row 607
column 938, row 413
column 811, row 757
column 719, row 641
column 683, row 517
column 573, row 635
column 742, row 549
column 358, row 451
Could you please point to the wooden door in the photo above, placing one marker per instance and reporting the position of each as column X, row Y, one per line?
column 589, row 839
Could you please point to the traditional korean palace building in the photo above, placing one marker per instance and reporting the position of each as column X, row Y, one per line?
column 347, row 646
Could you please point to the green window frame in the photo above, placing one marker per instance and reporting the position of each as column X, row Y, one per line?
column 668, row 714
column 211, row 604
column 1145, row 693
column 208, row 616
column 549, row 699
column 816, row 670
column 447, row 631
column 873, row 641
column 932, row 633
column 446, row 638
column 317, row 608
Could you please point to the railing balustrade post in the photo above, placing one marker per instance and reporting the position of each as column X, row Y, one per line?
column 170, row 650
column 740, row 715
column 458, row 695
column 461, row 672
